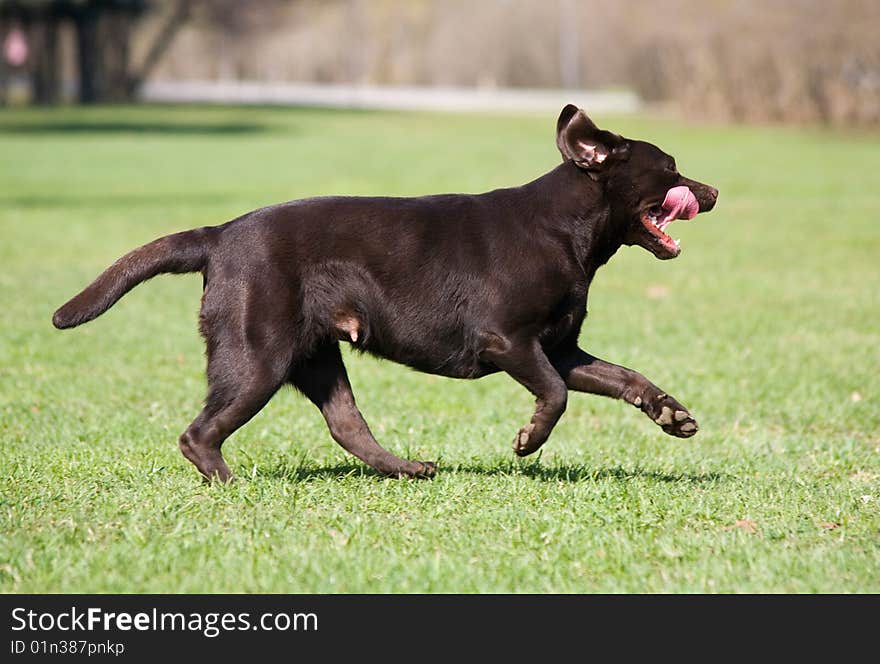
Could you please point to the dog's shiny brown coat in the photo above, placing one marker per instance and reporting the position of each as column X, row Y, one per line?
column 457, row 285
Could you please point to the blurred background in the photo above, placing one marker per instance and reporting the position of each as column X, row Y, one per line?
column 802, row 61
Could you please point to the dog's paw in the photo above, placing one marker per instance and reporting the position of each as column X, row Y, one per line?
column 672, row 417
column 429, row 469
column 420, row 470
column 525, row 443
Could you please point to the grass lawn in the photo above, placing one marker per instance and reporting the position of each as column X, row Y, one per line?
column 767, row 327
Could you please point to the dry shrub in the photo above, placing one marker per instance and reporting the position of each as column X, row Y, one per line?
column 798, row 61
column 749, row 60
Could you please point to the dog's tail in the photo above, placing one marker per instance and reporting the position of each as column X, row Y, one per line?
column 178, row 253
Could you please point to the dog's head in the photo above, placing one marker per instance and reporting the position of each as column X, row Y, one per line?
column 645, row 190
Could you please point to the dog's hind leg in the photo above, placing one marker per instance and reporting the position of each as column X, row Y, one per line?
column 235, row 395
column 249, row 358
column 323, row 379
column 585, row 373
column 528, row 365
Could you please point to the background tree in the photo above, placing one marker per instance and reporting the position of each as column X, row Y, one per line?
column 103, row 33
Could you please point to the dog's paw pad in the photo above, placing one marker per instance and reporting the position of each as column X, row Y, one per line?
column 665, row 416
column 674, row 418
column 521, row 442
column 683, row 428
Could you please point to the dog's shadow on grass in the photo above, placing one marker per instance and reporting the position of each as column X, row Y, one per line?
column 544, row 473
column 585, row 473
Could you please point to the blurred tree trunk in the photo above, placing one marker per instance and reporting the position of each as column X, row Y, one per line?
column 114, row 37
column 102, row 38
column 4, row 73
column 44, row 49
column 90, row 74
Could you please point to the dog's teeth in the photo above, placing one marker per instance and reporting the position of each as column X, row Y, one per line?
column 678, row 243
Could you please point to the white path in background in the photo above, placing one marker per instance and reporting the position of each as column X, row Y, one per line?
column 388, row 98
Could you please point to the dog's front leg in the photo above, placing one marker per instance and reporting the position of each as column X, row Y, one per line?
column 585, row 373
column 526, row 362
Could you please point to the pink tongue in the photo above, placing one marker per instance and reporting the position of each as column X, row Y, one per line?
column 680, row 203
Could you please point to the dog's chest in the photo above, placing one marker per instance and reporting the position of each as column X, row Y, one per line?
column 564, row 320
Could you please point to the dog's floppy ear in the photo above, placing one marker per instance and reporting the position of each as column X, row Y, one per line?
column 581, row 141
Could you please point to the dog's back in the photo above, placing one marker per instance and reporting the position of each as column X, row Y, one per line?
column 414, row 280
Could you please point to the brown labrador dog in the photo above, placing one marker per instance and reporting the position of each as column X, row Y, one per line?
column 459, row 285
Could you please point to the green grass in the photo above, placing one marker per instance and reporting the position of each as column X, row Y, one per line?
column 766, row 327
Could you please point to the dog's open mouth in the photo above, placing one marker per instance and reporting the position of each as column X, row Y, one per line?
column 680, row 203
